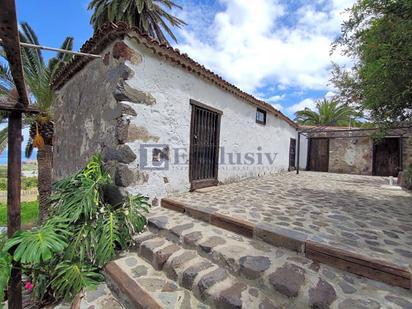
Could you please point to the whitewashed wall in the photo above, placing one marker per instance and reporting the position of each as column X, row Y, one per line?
column 168, row 122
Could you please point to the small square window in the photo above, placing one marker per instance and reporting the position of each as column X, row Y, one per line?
column 261, row 116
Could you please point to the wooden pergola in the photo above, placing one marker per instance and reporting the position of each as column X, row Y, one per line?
column 11, row 43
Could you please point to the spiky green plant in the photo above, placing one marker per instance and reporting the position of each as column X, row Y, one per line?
column 149, row 16
column 66, row 253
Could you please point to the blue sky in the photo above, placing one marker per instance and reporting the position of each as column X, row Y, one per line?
column 277, row 50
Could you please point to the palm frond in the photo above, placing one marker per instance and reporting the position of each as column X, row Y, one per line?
column 3, row 139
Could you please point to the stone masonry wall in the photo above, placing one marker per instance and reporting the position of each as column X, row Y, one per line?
column 90, row 117
column 351, row 155
column 407, row 150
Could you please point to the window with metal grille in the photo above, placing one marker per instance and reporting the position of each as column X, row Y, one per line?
column 261, row 116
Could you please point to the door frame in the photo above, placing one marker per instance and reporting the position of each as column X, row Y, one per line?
column 202, row 183
column 400, row 154
column 290, row 148
column 308, row 167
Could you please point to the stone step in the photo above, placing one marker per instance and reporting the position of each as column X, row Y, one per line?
column 209, row 282
column 99, row 298
column 314, row 248
column 136, row 284
column 284, row 277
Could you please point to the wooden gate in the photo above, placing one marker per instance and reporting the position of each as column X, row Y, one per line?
column 318, row 159
column 292, row 154
column 204, row 146
column 386, row 158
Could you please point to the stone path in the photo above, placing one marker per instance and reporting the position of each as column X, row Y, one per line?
column 99, row 298
column 276, row 277
column 350, row 212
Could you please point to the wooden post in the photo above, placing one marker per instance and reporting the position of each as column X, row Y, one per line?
column 13, row 200
column 298, row 154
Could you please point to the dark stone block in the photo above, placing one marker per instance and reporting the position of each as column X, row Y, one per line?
column 123, row 177
column 253, row 266
column 190, row 273
column 231, row 297
column 210, row 279
column 122, row 154
column 114, row 195
column 211, row 242
column 322, row 296
column 160, row 256
column 288, row 279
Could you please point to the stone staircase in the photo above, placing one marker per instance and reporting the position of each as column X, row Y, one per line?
column 181, row 262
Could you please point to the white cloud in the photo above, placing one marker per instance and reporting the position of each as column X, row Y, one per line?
column 306, row 103
column 275, row 98
column 253, row 43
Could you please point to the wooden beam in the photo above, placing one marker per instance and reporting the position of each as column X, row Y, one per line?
column 11, row 43
column 15, row 139
column 19, row 108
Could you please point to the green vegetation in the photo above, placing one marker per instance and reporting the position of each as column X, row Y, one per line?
column 328, row 113
column 378, row 37
column 147, row 15
column 83, row 232
column 29, row 213
column 27, row 183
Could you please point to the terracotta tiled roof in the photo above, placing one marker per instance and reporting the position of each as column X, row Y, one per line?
column 110, row 32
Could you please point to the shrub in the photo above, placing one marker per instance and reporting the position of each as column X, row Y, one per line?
column 83, row 232
column 26, row 183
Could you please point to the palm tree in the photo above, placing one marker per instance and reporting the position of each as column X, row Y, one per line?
column 147, row 15
column 38, row 76
column 328, row 113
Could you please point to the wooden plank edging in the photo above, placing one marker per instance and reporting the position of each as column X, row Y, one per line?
column 279, row 236
column 137, row 296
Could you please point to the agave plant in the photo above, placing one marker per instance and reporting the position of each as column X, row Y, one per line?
column 66, row 253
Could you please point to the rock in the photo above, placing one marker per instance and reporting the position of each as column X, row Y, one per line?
column 322, row 296
column 210, row 279
column 114, row 195
column 159, row 222
column 123, row 177
column 178, row 230
column 139, row 238
column 139, row 271
column 124, row 92
column 267, row 304
column 211, row 242
column 122, row 154
column 191, row 238
column 160, row 256
column 131, row 262
column 288, row 279
column 403, row 303
column 231, row 297
column 359, row 304
column 253, row 266
column 127, row 109
column 147, row 248
column 122, row 127
column 190, row 273
column 177, row 262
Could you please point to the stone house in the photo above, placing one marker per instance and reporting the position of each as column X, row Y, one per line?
column 353, row 151
column 163, row 122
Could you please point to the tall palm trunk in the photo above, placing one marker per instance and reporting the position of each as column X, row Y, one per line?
column 44, row 161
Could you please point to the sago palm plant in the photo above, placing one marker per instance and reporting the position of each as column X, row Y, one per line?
column 66, row 253
column 149, row 16
column 327, row 113
column 38, row 76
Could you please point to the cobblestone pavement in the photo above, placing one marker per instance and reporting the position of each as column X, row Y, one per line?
column 288, row 279
column 351, row 212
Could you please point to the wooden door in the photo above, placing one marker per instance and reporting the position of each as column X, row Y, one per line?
column 319, row 154
column 204, row 146
column 292, row 154
column 386, row 158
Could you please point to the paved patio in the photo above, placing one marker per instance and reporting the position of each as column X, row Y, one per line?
column 351, row 212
